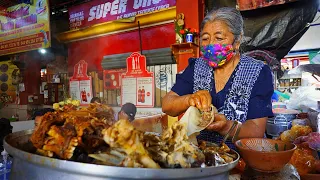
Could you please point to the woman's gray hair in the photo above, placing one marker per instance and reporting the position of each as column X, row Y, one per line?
column 230, row 16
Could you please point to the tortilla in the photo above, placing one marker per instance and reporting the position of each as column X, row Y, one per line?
column 196, row 121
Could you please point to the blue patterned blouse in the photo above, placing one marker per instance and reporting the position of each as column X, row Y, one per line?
column 246, row 95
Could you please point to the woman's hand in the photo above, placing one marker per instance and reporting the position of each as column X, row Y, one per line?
column 174, row 105
column 201, row 100
column 219, row 124
column 253, row 128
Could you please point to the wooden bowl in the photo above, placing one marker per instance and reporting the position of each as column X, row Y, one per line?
column 265, row 155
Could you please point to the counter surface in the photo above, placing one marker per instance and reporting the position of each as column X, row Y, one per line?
column 22, row 125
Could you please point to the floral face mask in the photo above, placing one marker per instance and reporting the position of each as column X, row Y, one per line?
column 217, row 54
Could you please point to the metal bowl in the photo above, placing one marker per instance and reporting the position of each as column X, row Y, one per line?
column 31, row 166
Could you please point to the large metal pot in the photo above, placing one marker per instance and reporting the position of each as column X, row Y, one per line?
column 274, row 129
column 281, row 122
column 31, row 166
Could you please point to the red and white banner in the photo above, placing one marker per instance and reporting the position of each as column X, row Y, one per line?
column 100, row 11
column 137, row 84
column 81, row 83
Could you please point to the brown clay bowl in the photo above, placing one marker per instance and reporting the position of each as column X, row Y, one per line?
column 265, row 155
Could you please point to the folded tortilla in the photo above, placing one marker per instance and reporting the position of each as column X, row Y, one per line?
column 194, row 121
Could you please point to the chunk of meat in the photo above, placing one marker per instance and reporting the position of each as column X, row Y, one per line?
column 123, row 135
column 61, row 132
column 46, row 121
column 62, row 141
column 173, row 149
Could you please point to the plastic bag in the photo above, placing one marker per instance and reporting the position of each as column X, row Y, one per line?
column 312, row 141
column 302, row 122
column 304, row 96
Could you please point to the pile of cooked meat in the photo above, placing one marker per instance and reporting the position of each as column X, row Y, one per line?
column 92, row 135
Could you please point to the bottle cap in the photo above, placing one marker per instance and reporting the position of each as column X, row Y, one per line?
column 4, row 153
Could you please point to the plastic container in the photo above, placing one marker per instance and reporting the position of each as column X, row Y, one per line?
column 282, row 121
column 5, row 166
column 4, row 173
column 279, row 105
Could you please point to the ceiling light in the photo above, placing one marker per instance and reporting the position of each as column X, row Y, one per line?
column 65, row 10
column 42, row 51
column 53, row 13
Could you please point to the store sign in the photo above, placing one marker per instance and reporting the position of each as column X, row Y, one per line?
column 100, row 11
column 244, row 5
column 81, row 83
column 137, row 84
column 25, row 27
column 112, row 78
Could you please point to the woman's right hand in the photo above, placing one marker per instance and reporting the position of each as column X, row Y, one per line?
column 201, row 100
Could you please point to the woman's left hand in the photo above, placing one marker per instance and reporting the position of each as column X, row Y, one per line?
column 250, row 128
column 219, row 123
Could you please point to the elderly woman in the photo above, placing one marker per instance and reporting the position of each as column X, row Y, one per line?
column 240, row 87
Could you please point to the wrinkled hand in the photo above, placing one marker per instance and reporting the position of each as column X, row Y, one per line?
column 219, row 123
column 201, row 100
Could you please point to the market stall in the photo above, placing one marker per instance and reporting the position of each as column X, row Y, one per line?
column 131, row 52
column 93, row 153
column 261, row 157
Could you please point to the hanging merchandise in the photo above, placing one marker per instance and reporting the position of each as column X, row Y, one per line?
column 137, row 84
column 81, row 84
